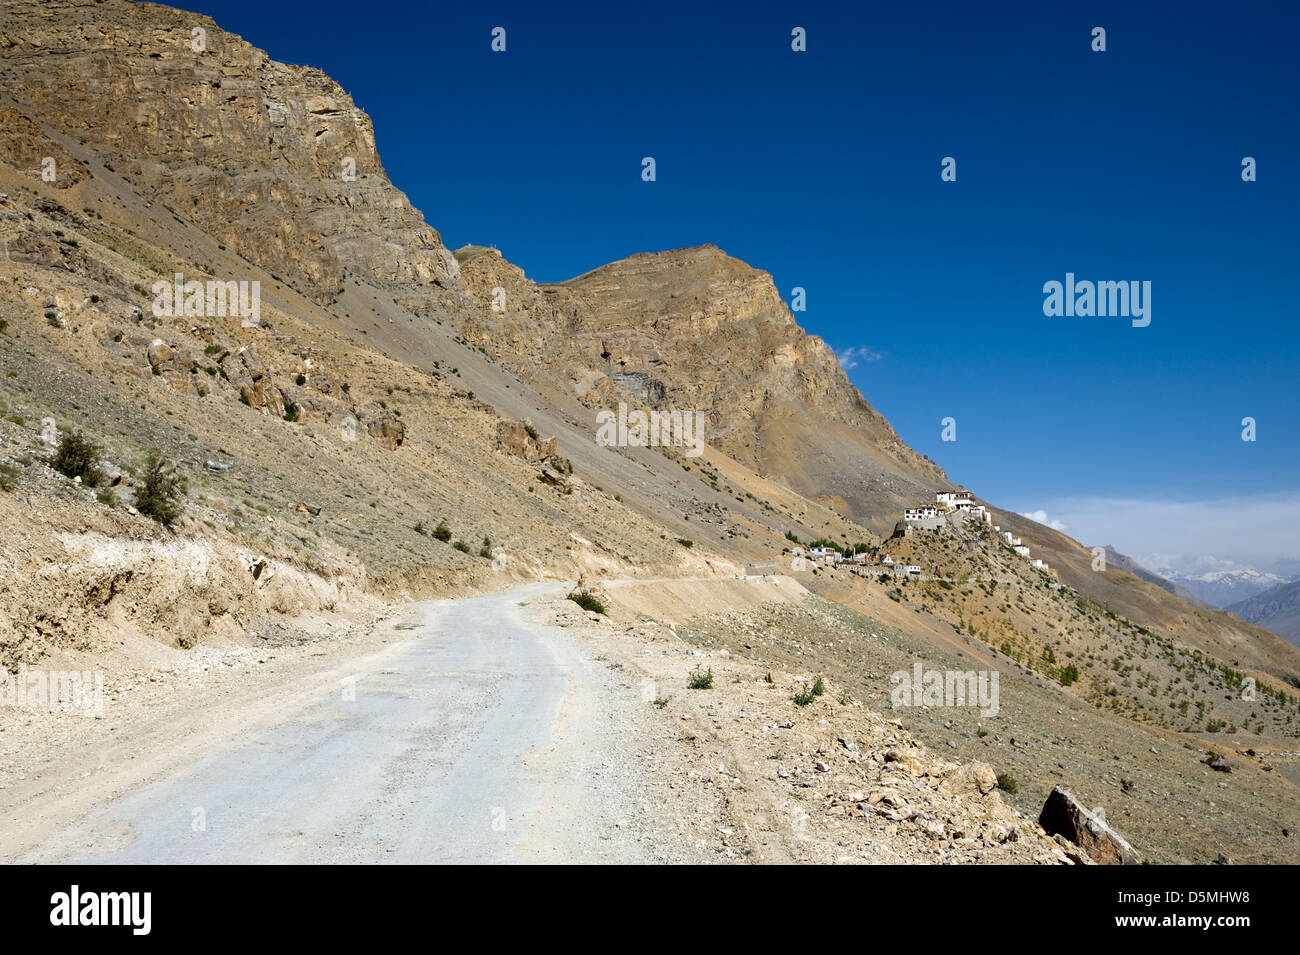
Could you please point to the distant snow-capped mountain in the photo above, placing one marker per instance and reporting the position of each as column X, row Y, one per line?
column 1218, row 588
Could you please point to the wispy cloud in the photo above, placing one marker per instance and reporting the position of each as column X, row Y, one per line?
column 1191, row 536
column 855, row 355
column 1040, row 515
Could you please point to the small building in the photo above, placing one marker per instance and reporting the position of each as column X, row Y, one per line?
column 1022, row 550
column 951, row 500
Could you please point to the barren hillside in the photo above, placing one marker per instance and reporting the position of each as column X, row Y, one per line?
column 393, row 421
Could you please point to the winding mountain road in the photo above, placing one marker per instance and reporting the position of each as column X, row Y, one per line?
column 483, row 738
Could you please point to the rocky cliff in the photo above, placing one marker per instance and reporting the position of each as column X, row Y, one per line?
column 695, row 329
column 274, row 160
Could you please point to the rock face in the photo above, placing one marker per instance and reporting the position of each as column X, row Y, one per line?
column 274, row 160
column 695, row 329
column 518, row 438
column 1063, row 815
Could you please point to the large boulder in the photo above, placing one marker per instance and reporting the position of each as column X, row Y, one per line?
column 386, row 428
column 519, row 439
column 1064, row 815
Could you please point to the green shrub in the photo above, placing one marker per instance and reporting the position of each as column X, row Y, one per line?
column 78, row 457
column 442, row 532
column 588, row 601
column 818, row 687
column 804, row 696
column 461, row 546
column 1007, row 783
column 8, row 476
column 700, row 679
column 161, row 493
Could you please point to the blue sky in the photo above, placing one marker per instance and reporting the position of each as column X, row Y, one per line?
column 823, row 168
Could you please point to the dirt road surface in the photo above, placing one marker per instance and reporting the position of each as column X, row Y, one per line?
column 484, row 737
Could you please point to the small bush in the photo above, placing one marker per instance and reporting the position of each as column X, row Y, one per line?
column 442, row 532
column 161, row 494
column 804, row 696
column 461, row 546
column 8, row 476
column 78, row 457
column 107, row 497
column 1007, row 783
column 588, row 601
column 300, row 380
column 818, row 687
column 700, row 679
column 686, row 542
column 419, row 527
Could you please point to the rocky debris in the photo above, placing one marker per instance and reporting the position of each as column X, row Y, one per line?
column 1219, row 763
column 1063, row 815
column 386, row 428
column 259, row 566
column 305, row 508
column 555, row 479
column 521, row 440
column 976, row 779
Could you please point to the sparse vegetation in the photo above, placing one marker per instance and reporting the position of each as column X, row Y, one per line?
column 588, row 601
column 699, row 679
column 78, row 457
column 161, row 493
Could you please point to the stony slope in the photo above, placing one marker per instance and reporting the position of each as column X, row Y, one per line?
column 380, row 380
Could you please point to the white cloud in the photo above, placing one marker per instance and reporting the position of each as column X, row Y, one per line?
column 1040, row 515
column 1261, row 531
column 855, row 355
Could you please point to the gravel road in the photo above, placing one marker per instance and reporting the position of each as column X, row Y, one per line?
column 484, row 738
